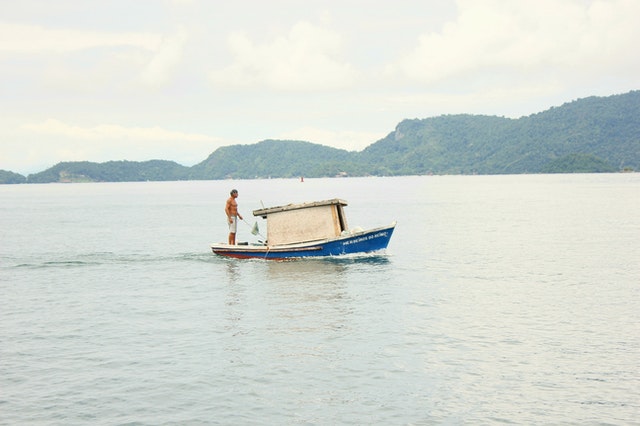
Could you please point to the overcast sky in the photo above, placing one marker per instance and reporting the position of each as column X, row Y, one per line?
column 176, row 79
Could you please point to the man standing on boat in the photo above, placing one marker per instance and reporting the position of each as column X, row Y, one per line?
column 231, row 209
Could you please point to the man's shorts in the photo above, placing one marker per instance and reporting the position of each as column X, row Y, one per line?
column 233, row 225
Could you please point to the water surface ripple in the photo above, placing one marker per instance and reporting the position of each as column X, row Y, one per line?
column 501, row 299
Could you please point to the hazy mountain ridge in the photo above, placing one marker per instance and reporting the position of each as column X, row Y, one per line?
column 112, row 171
column 272, row 158
column 595, row 134
column 606, row 128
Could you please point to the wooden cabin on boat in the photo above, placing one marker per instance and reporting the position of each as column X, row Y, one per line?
column 297, row 223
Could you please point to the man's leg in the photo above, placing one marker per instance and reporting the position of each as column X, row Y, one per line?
column 232, row 231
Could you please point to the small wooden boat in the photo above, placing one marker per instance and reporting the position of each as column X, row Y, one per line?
column 309, row 230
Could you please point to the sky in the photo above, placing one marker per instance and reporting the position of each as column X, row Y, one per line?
column 174, row 80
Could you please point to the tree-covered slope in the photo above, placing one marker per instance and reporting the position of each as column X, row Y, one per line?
column 272, row 158
column 445, row 144
column 607, row 129
column 11, row 177
column 111, row 171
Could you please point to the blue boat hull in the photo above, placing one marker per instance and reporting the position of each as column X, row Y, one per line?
column 362, row 242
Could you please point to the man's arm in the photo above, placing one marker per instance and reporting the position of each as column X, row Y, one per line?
column 227, row 209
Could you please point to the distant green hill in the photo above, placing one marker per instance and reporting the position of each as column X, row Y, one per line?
column 112, row 171
column 607, row 129
column 578, row 163
column 274, row 158
column 11, row 177
column 595, row 134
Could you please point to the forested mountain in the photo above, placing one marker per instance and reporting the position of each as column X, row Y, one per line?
column 11, row 177
column 595, row 134
column 274, row 158
column 603, row 129
column 112, row 171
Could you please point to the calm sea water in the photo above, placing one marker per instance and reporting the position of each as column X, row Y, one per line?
column 501, row 299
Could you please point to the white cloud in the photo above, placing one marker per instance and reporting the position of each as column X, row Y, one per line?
column 113, row 132
column 309, row 57
column 156, row 65
column 161, row 67
column 33, row 39
column 37, row 146
column 526, row 36
column 349, row 140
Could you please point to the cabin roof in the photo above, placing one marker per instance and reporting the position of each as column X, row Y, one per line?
column 289, row 207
